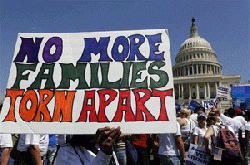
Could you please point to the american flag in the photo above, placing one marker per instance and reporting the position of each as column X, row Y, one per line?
column 222, row 93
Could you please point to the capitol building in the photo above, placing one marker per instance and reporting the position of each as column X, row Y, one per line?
column 197, row 73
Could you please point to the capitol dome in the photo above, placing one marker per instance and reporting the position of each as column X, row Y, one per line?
column 196, row 57
column 197, row 73
column 195, row 42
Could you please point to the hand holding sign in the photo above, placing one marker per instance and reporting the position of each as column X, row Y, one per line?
column 106, row 137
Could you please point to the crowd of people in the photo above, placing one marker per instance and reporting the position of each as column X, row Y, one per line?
column 109, row 146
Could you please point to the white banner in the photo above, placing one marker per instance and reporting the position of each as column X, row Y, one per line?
column 74, row 83
column 196, row 155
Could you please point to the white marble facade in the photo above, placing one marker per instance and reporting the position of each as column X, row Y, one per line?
column 197, row 73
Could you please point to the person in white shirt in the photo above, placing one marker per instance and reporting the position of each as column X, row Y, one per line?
column 171, row 148
column 83, row 150
column 247, row 137
column 233, row 123
column 32, row 147
column 239, row 116
column 200, row 130
column 5, row 145
column 213, row 133
column 186, row 127
column 193, row 117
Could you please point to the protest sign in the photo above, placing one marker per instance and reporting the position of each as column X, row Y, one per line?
column 196, row 155
column 222, row 93
column 208, row 104
column 74, row 83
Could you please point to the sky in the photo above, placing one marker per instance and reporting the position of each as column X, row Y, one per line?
column 225, row 24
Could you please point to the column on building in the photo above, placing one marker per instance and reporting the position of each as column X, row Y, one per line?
column 208, row 89
column 192, row 69
column 205, row 68
column 190, row 94
column 205, row 87
column 182, row 91
column 197, row 91
column 216, row 86
column 197, row 69
column 179, row 87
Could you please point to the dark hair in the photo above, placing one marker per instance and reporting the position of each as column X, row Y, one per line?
column 247, row 113
column 231, row 112
column 197, row 109
column 88, row 141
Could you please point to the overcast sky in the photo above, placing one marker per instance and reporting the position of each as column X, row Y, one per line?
column 225, row 24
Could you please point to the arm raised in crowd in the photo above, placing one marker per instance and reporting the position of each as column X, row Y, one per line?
column 209, row 133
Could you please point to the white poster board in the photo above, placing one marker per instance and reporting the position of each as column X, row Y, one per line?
column 74, row 83
column 196, row 155
column 222, row 93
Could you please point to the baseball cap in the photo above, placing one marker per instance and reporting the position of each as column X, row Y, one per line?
column 238, row 111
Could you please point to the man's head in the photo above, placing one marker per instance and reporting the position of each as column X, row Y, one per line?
column 201, row 118
column 231, row 112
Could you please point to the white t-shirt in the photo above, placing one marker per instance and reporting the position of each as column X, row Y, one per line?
column 242, row 120
column 26, row 140
column 167, row 143
column 200, row 133
column 6, row 141
column 79, row 155
column 233, row 123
